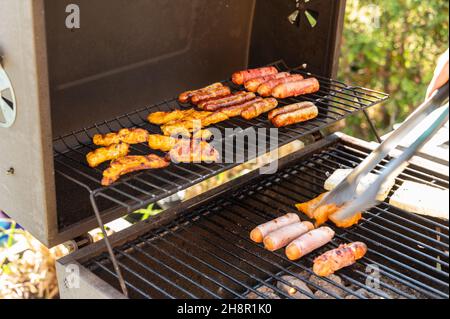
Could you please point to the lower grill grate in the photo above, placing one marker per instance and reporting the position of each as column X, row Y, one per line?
column 207, row 252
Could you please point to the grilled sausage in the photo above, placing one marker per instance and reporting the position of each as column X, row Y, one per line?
column 186, row 96
column 237, row 98
column 297, row 88
column 253, row 85
column 258, row 234
column 287, row 109
column 236, row 110
column 265, row 89
column 343, row 256
column 241, row 77
column 258, row 108
column 309, row 207
column 283, row 236
column 305, row 112
column 309, row 242
column 210, row 95
column 95, row 158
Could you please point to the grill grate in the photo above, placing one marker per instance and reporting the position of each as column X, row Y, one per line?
column 76, row 183
column 206, row 253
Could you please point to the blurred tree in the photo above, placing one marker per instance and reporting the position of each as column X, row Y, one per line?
column 392, row 46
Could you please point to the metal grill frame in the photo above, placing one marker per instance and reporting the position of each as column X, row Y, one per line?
column 335, row 100
column 190, row 209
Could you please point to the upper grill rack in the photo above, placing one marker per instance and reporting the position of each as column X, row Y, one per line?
column 206, row 253
column 335, row 101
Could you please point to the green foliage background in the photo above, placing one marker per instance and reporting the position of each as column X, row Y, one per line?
column 392, row 46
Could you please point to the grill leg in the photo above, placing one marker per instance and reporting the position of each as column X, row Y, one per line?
column 108, row 246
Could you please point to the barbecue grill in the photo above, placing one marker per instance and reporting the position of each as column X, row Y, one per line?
column 74, row 83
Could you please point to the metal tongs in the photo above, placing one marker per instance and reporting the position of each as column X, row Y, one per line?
column 345, row 195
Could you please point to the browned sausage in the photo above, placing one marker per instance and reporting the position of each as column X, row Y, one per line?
column 241, row 77
column 297, row 88
column 253, row 85
column 258, row 108
column 287, row 109
column 186, row 96
column 343, row 256
column 305, row 112
column 265, row 89
column 283, row 236
column 309, row 242
column 236, row 110
column 237, row 98
column 258, row 234
column 209, row 95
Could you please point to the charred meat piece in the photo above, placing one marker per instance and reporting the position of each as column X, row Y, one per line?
column 343, row 256
column 129, row 136
column 101, row 155
column 128, row 164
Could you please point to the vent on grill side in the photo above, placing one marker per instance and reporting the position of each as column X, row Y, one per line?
column 207, row 252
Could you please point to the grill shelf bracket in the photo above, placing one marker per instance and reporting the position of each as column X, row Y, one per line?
column 335, row 100
column 203, row 250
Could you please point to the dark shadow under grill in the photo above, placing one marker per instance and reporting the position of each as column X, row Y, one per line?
column 76, row 181
column 207, row 252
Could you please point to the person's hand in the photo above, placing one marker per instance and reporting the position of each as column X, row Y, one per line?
column 440, row 75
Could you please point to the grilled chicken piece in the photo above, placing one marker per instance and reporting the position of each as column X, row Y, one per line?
column 185, row 127
column 128, row 164
column 193, row 151
column 95, row 158
column 161, row 118
column 202, row 135
column 323, row 213
column 129, row 136
column 343, row 256
column 161, row 142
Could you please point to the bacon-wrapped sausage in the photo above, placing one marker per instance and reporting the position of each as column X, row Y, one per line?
column 297, row 88
column 253, row 85
column 343, row 256
column 266, row 88
column 241, row 77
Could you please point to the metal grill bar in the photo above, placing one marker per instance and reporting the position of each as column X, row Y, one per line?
column 335, row 101
column 206, row 253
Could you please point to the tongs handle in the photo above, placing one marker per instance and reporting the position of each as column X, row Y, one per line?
column 395, row 138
